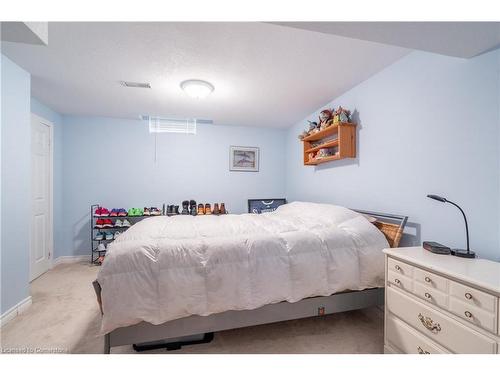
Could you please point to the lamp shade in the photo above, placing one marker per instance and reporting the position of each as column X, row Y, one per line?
column 437, row 198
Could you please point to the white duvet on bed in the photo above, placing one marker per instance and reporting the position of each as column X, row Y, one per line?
column 164, row 268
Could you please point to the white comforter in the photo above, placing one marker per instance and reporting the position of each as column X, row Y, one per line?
column 164, row 268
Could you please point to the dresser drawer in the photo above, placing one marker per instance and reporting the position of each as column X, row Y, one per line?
column 473, row 296
column 408, row 340
column 440, row 328
column 430, row 295
column 474, row 315
column 430, row 280
column 400, row 281
column 399, row 268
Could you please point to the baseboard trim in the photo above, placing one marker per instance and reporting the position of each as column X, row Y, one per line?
column 69, row 259
column 15, row 310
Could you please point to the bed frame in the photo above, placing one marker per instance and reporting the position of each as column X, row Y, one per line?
column 390, row 225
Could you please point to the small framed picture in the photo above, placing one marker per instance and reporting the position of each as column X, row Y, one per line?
column 244, row 159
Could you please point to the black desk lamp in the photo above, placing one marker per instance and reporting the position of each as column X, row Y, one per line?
column 458, row 252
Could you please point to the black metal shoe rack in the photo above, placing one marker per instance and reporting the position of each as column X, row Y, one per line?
column 95, row 254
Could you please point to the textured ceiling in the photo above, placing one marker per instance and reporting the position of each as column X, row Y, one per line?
column 459, row 39
column 264, row 74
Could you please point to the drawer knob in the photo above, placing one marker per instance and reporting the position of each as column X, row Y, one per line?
column 429, row 323
column 427, row 279
column 397, row 281
column 468, row 295
column 468, row 314
column 397, row 268
column 427, row 295
column 422, row 351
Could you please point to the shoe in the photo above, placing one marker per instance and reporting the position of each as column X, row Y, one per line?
column 117, row 233
column 114, row 212
column 99, row 236
column 99, row 223
column 108, row 236
column 101, row 247
column 104, row 212
column 201, row 209
column 98, row 211
column 216, row 209
column 146, row 211
column 139, row 212
column 170, row 210
column 192, row 208
column 185, row 208
column 107, row 223
column 100, row 260
column 222, row 209
column 154, row 211
column 126, row 223
column 130, row 212
column 176, row 210
column 118, row 223
column 122, row 212
column 208, row 209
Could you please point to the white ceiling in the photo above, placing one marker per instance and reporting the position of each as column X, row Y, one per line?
column 459, row 39
column 264, row 74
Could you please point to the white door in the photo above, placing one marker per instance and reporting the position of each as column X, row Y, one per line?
column 41, row 197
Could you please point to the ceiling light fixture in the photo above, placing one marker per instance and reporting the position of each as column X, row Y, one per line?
column 197, row 89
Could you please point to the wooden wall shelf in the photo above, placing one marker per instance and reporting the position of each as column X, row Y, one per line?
column 339, row 137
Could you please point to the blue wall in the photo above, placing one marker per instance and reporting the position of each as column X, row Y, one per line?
column 426, row 124
column 16, row 188
column 111, row 162
column 57, row 120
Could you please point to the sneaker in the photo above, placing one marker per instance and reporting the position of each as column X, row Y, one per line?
column 154, row 211
column 109, row 236
column 222, row 209
column 122, row 212
column 98, row 211
column 208, row 209
column 130, row 212
column 126, row 223
column 107, row 223
column 99, row 223
column 118, row 223
column 216, row 209
column 114, row 212
column 100, row 260
column 101, row 247
column 117, row 233
column 146, row 212
column 185, row 208
column 201, row 209
column 140, row 212
column 104, row 212
column 99, row 236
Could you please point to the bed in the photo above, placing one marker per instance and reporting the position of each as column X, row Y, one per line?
column 171, row 277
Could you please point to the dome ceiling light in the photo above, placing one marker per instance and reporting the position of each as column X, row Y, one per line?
column 197, row 89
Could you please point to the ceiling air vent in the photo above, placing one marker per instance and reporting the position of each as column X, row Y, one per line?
column 139, row 85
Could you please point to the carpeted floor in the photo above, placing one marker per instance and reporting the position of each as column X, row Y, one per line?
column 65, row 317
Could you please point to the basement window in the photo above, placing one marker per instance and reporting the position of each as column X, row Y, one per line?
column 166, row 125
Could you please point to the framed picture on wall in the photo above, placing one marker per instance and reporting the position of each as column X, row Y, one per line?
column 243, row 159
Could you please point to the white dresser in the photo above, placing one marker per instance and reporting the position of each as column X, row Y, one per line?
column 440, row 303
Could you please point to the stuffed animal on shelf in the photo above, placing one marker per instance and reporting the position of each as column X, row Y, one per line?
column 325, row 119
column 323, row 153
column 342, row 115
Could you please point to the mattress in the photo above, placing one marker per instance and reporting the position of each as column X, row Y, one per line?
column 165, row 268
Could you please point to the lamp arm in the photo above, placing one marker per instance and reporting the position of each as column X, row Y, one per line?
column 465, row 218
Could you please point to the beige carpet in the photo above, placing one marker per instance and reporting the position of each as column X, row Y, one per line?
column 65, row 317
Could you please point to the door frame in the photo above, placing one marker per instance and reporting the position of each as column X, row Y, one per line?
column 37, row 118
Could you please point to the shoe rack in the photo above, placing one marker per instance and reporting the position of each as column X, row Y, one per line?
column 95, row 254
